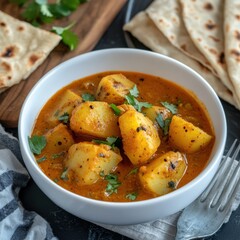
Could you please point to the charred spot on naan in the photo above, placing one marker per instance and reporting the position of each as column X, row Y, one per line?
column 237, row 35
column 2, row 24
column 236, row 54
column 210, row 25
column 237, row 17
column 33, row 58
column 208, row 6
column 9, row 52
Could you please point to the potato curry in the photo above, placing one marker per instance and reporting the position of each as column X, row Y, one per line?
column 122, row 136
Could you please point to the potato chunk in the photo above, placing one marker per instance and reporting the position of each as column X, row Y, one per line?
column 113, row 88
column 95, row 119
column 140, row 137
column 86, row 160
column 163, row 174
column 186, row 137
column 59, row 139
column 65, row 105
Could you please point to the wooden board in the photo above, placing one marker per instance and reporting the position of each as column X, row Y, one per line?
column 92, row 19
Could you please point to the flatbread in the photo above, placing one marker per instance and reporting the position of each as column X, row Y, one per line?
column 232, row 41
column 22, row 49
column 167, row 16
column 142, row 27
column 204, row 22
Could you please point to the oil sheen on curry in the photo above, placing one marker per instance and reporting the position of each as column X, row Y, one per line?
column 122, row 136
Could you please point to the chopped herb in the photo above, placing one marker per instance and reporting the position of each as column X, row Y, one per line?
column 37, row 143
column 110, row 141
column 133, row 171
column 88, row 97
column 131, row 100
column 132, row 196
column 64, row 174
column 164, row 124
column 57, row 155
column 41, row 159
column 64, row 118
column 38, row 12
column 113, row 183
column 134, row 91
column 102, row 173
column 55, row 180
column 171, row 107
column 116, row 110
column 172, row 184
column 68, row 37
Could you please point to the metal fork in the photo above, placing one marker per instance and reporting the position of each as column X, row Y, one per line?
column 208, row 212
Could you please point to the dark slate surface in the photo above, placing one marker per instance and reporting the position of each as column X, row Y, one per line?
column 67, row 226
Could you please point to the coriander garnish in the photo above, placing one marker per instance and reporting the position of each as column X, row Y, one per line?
column 113, row 182
column 64, row 118
column 163, row 123
column 87, row 97
column 171, row 107
column 116, row 110
column 110, row 141
column 134, row 102
column 132, row 196
column 64, row 174
column 41, row 159
column 37, row 143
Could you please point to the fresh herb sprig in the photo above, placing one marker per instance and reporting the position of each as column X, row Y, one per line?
column 39, row 12
column 88, row 97
column 163, row 123
column 110, row 141
column 37, row 143
column 113, row 182
column 131, row 99
column 132, row 196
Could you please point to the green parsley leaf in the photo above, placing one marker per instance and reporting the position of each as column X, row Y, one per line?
column 164, row 124
column 132, row 196
column 133, row 171
column 37, row 144
column 31, row 12
column 55, row 180
column 171, row 107
column 113, row 183
column 116, row 110
column 88, row 97
column 64, row 175
column 57, row 155
column 110, row 141
column 19, row 2
column 64, row 118
column 59, row 10
column 134, row 91
column 131, row 100
column 41, row 159
column 71, row 5
column 44, row 9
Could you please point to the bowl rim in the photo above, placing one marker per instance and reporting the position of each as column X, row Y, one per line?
column 212, row 162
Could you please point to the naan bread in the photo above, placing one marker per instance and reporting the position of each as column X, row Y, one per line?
column 146, row 32
column 232, row 41
column 167, row 16
column 22, row 49
column 204, row 22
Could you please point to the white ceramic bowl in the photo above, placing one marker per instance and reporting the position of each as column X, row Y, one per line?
column 126, row 60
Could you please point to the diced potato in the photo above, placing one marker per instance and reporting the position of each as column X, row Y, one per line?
column 59, row 139
column 186, row 137
column 95, row 119
column 66, row 104
column 113, row 88
column 87, row 160
column 163, row 174
column 139, row 136
column 153, row 111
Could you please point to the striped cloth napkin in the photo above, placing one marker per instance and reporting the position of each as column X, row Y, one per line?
column 17, row 223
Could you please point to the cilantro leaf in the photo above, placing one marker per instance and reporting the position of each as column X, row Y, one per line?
column 41, row 159
column 113, row 183
column 131, row 100
column 116, row 110
column 88, row 97
column 59, row 10
column 31, row 12
column 171, row 107
column 132, row 196
column 71, row 5
column 70, row 39
column 19, row 2
column 133, row 171
column 134, row 91
column 64, row 118
column 64, row 175
column 164, row 124
column 37, row 144
column 110, row 141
